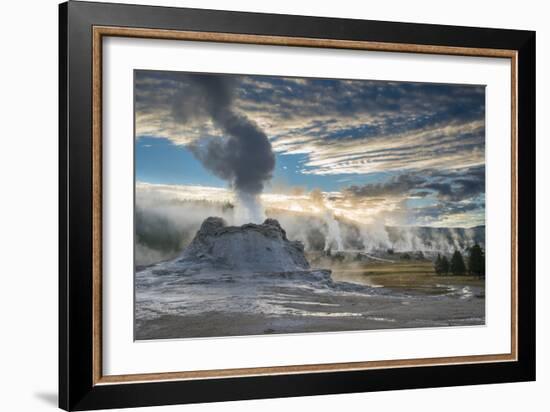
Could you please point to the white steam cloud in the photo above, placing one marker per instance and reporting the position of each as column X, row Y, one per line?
column 168, row 217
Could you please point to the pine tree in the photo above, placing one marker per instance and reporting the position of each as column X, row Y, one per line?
column 476, row 261
column 437, row 264
column 457, row 266
column 444, row 265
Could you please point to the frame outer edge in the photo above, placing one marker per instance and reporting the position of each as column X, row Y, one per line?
column 78, row 356
column 78, row 217
column 63, row 375
column 527, row 206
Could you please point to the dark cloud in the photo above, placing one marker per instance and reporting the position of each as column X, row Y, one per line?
column 444, row 210
column 457, row 185
column 243, row 156
column 397, row 186
column 445, row 185
column 422, row 194
column 428, row 196
column 457, row 189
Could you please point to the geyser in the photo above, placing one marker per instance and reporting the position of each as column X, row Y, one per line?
column 246, row 248
column 243, row 155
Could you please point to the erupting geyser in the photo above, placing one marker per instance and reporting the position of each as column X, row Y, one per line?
column 243, row 155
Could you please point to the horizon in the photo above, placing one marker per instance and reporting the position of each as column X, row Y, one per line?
column 197, row 193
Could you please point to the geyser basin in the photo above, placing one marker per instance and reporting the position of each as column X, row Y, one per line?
column 251, row 279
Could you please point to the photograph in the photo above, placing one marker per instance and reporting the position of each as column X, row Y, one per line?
column 280, row 205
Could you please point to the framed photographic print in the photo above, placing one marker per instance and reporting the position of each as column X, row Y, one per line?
column 257, row 205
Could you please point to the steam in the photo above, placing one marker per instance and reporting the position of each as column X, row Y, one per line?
column 250, row 208
column 243, row 156
column 167, row 219
column 375, row 237
column 333, row 235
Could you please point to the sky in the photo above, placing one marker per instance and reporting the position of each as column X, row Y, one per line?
column 401, row 152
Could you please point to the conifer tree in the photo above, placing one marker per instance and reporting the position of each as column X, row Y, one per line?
column 457, row 266
column 476, row 261
column 437, row 264
column 444, row 265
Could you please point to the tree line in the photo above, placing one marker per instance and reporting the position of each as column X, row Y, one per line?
column 457, row 266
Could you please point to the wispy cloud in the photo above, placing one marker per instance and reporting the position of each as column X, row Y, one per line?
column 343, row 126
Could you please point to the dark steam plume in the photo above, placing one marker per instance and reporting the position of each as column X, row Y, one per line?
column 243, row 156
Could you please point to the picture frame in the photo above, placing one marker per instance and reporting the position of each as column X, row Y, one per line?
column 82, row 383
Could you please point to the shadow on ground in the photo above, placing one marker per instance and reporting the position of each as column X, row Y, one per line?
column 49, row 398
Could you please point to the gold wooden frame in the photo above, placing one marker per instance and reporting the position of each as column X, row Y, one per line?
column 101, row 31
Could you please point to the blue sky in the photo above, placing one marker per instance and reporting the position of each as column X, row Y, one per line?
column 160, row 161
column 417, row 148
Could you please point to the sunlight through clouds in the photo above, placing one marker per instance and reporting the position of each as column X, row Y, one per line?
column 419, row 146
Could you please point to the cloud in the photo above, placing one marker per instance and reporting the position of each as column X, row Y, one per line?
column 430, row 197
column 457, row 185
column 342, row 126
column 450, row 214
column 399, row 185
column 456, row 147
